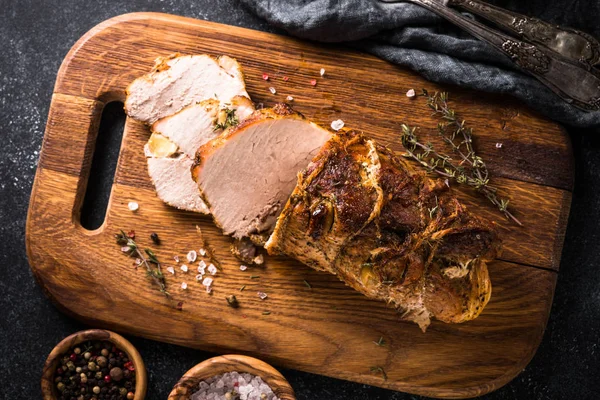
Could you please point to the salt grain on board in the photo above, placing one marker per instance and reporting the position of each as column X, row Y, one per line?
column 202, row 252
column 184, row 268
column 133, row 206
column 243, row 267
column 183, row 285
column 212, row 269
column 171, row 270
column 337, row 125
column 191, row 256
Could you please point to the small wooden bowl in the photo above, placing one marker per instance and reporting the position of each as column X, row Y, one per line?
column 188, row 384
column 53, row 360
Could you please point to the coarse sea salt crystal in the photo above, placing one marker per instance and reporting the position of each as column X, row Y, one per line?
column 125, row 249
column 247, row 387
column 289, row 98
column 176, row 258
column 411, row 93
column 337, row 125
column 201, row 265
column 202, row 252
column 262, row 295
column 133, row 206
column 199, row 277
column 184, row 268
column 171, row 270
column 183, row 285
column 322, row 72
column 207, row 281
column 208, row 289
column 191, row 256
column 272, row 90
column 243, row 267
column 212, row 269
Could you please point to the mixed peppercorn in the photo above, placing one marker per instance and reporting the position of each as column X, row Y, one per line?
column 95, row 371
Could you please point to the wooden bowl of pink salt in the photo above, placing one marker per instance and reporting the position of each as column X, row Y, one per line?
column 232, row 377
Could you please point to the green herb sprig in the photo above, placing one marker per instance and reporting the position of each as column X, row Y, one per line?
column 230, row 120
column 469, row 169
column 133, row 251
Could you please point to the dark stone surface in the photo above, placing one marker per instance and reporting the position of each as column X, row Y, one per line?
column 36, row 36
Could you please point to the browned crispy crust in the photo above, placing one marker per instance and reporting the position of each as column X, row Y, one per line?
column 388, row 231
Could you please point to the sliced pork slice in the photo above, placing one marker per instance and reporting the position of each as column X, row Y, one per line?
column 178, row 81
column 247, row 174
column 174, row 184
column 196, row 124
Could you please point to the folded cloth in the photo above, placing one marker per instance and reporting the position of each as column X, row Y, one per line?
column 411, row 36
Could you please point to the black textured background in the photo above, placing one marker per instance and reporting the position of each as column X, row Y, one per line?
column 36, row 35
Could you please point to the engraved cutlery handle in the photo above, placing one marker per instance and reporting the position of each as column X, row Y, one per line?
column 569, row 43
column 575, row 83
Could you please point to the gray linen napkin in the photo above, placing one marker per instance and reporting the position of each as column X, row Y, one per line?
column 411, row 36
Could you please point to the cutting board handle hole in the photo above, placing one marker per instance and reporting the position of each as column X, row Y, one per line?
column 104, row 165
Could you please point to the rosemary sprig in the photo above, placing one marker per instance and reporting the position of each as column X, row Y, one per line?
column 230, row 120
column 469, row 169
column 308, row 285
column 133, row 251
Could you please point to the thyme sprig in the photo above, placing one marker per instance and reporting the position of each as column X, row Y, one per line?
column 230, row 120
column 469, row 169
column 150, row 258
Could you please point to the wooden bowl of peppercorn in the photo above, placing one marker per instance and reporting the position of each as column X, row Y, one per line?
column 212, row 367
column 94, row 364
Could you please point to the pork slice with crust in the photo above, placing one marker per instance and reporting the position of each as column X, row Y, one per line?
column 178, row 81
column 246, row 175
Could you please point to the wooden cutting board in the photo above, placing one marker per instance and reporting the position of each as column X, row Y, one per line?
column 328, row 329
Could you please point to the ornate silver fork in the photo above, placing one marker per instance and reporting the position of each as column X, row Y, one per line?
column 562, row 59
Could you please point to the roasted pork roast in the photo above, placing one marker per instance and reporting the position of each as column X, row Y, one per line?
column 388, row 231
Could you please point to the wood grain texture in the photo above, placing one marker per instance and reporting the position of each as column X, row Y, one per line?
column 53, row 360
column 327, row 329
column 188, row 383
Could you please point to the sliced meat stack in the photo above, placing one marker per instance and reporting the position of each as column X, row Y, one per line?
column 187, row 100
column 247, row 174
column 388, row 231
